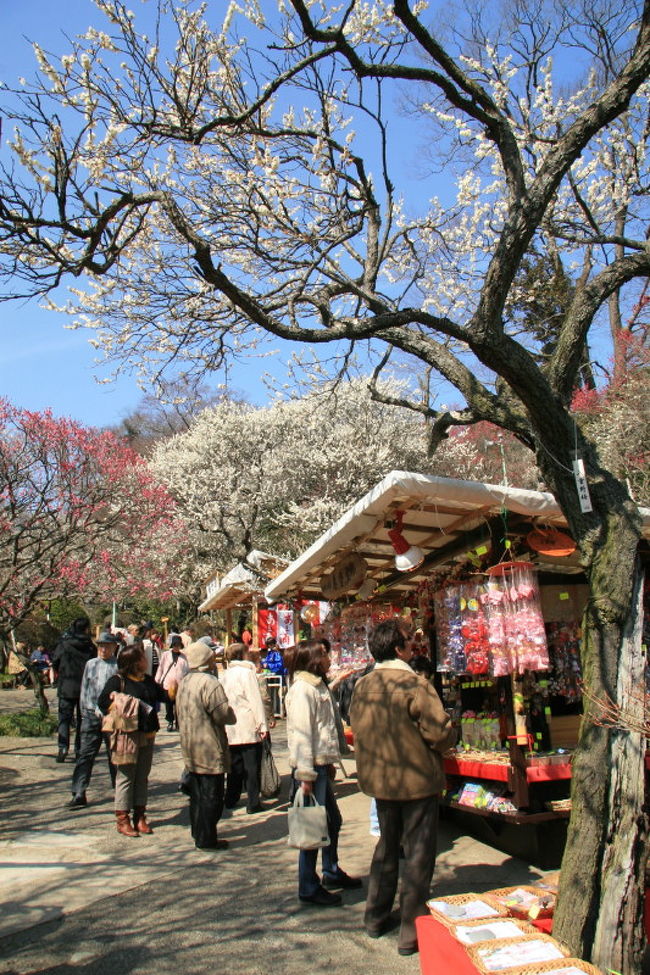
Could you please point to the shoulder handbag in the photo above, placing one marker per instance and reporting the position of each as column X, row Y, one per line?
column 270, row 781
column 307, row 824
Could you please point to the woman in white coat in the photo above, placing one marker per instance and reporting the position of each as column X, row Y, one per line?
column 239, row 681
column 313, row 755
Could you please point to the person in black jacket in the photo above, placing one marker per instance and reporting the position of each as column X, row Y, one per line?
column 74, row 650
column 133, row 682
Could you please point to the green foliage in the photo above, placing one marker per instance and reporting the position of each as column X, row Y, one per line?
column 27, row 724
column 63, row 611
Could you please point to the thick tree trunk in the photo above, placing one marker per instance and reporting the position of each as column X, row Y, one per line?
column 600, row 908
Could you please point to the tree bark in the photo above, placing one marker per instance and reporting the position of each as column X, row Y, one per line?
column 600, row 907
column 37, row 683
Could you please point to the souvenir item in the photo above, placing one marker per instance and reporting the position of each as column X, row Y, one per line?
column 464, row 907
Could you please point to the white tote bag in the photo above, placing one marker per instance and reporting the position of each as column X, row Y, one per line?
column 307, row 824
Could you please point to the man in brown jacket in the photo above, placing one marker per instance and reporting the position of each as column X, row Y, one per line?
column 203, row 711
column 400, row 731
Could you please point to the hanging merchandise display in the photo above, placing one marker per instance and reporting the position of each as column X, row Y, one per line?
column 494, row 627
column 473, row 629
column 525, row 635
column 564, row 646
column 448, row 624
column 348, row 633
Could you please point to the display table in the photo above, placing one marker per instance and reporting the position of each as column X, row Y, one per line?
column 499, row 771
column 441, row 954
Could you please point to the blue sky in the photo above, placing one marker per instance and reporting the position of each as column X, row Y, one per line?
column 42, row 364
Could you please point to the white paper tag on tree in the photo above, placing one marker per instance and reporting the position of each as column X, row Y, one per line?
column 582, row 486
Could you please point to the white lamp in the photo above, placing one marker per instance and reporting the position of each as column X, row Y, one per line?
column 407, row 557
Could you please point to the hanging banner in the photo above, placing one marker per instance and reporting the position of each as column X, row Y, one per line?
column 267, row 625
column 277, row 624
column 285, row 634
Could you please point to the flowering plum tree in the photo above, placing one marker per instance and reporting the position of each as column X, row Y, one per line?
column 217, row 186
column 79, row 514
column 275, row 477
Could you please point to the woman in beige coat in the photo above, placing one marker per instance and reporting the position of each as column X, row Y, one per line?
column 203, row 713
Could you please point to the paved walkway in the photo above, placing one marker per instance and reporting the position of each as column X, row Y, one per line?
column 76, row 897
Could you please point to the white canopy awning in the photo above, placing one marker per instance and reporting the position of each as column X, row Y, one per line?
column 241, row 582
column 443, row 515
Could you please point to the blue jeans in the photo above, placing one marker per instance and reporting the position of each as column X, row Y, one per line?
column 308, row 879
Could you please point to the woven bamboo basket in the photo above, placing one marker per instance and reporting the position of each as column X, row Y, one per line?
column 549, row 882
column 502, row 894
column 482, row 955
column 492, row 909
column 461, row 929
column 564, row 966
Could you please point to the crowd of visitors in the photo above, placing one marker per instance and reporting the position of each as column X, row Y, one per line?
column 111, row 690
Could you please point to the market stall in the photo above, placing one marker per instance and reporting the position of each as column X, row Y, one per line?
column 489, row 585
column 242, row 589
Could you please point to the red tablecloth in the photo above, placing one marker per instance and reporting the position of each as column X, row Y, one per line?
column 499, row 772
column 441, row 954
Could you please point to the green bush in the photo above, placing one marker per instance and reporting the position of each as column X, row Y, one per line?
column 27, row 724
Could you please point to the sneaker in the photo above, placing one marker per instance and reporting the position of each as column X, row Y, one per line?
column 341, row 879
column 61, row 756
column 323, row 898
column 78, row 801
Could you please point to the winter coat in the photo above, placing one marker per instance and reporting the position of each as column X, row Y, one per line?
column 239, row 681
column 400, row 732
column 69, row 659
column 274, row 663
column 96, row 674
column 172, row 668
column 311, row 726
column 203, row 712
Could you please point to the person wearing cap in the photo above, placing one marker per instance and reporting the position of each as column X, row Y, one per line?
column 203, row 712
column 96, row 672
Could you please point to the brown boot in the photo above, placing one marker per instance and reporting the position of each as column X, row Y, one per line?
column 124, row 823
column 140, row 822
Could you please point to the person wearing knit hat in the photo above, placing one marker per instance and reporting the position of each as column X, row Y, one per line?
column 203, row 711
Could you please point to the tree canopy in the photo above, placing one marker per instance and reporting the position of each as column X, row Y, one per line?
column 206, row 189
column 276, row 477
column 80, row 514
